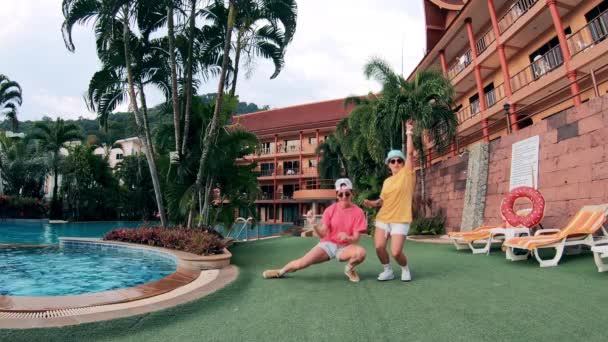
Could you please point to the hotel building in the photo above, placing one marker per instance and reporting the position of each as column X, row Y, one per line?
column 528, row 58
column 287, row 161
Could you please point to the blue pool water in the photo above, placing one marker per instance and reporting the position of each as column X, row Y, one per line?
column 55, row 271
column 42, row 232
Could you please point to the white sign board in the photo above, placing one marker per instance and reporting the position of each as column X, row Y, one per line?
column 524, row 163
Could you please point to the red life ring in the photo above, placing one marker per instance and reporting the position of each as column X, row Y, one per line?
column 530, row 220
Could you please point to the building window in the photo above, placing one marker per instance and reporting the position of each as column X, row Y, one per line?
column 598, row 21
column 312, row 163
column 267, row 169
column 291, row 168
column 547, row 57
column 474, row 101
column 490, row 95
column 119, row 156
column 312, row 140
column 291, row 146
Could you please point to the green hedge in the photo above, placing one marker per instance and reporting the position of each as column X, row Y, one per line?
column 22, row 207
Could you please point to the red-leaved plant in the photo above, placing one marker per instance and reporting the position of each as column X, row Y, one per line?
column 197, row 241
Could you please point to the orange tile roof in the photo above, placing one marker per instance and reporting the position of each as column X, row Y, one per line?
column 295, row 118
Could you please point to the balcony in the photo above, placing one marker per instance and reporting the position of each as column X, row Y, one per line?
column 462, row 62
column 516, row 11
column 541, row 66
column 485, row 41
column 495, row 95
column 590, row 35
column 316, row 190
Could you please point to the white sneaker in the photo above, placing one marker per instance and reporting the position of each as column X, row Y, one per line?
column 386, row 275
column 405, row 274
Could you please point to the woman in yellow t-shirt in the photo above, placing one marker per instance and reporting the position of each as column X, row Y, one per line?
column 395, row 215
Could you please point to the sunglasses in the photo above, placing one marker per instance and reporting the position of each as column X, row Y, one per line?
column 396, row 161
column 344, row 194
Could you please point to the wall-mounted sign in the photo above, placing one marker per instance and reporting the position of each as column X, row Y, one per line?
column 524, row 163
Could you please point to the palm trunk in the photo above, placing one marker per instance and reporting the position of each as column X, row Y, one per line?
column 144, row 137
column 423, row 187
column 174, row 97
column 188, row 109
column 213, row 125
column 403, row 137
column 144, row 108
column 237, row 59
column 204, row 219
column 54, row 205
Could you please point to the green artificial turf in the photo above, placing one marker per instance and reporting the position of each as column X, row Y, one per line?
column 454, row 296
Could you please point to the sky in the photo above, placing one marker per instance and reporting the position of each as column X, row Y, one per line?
column 333, row 41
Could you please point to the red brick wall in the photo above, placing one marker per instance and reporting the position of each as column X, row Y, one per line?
column 573, row 162
column 445, row 185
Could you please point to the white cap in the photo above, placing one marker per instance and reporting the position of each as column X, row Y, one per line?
column 344, row 183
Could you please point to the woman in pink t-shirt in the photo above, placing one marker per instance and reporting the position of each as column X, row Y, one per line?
column 343, row 223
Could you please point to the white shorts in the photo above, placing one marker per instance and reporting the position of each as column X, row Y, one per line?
column 394, row 228
column 332, row 250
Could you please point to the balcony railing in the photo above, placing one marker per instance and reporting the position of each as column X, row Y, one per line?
column 495, row 95
column 316, row 184
column 462, row 62
column 541, row 66
column 516, row 11
column 485, row 41
column 291, row 171
column 591, row 34
column 265, row 173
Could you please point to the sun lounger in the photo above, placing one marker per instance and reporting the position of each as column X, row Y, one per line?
column 577, row 233
column 486, row 236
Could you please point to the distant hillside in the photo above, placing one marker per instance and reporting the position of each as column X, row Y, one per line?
column 122, row 125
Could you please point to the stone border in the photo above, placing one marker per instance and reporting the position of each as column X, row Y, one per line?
column 189, row 267
column 208, row 282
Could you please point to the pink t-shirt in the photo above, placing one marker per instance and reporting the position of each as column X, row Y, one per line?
column 343, row 220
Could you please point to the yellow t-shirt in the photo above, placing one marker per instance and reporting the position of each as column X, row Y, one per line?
column 397, row 193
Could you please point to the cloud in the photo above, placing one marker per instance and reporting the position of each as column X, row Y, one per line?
column 67, row 107
column 333, row 41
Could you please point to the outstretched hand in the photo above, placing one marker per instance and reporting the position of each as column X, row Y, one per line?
column 409, row 125
column 310, row 217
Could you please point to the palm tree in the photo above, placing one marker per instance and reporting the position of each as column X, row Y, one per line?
column 10, row 99
column 107, row 14
column 22, row 170
column 212, row 130
column 427, row 99
column 263, row 29
column 51, row 138
column 331, row 165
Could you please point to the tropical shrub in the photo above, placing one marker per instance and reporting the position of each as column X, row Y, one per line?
column 434, row 225
column 196, row 241
column 22, row 207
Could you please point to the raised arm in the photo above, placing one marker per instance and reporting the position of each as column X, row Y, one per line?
column 409, row 153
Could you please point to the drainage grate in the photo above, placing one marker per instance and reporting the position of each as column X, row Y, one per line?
column 47, row 313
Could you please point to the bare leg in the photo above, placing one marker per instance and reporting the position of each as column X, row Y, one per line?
column 314, row 256
column 397, row 242
column 353, row 254
column 380, row 243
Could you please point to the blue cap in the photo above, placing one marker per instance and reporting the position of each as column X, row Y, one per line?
column 394, row 154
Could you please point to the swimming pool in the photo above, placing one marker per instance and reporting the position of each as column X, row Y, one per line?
column 43, row 232
column 73, row 270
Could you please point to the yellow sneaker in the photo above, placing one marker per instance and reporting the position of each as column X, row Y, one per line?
column 351, row 274
column 268, row 274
